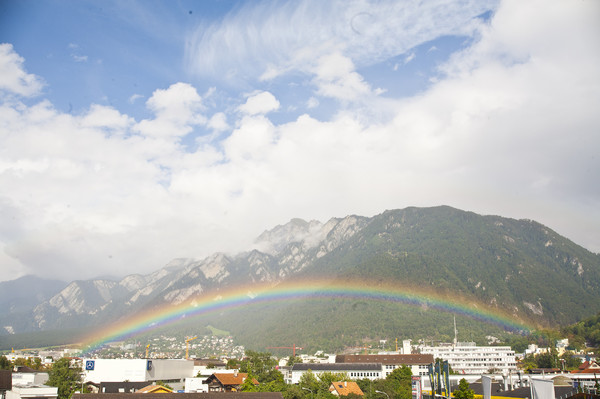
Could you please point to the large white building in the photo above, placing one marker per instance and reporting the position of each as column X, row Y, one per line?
column 171, row 371
column 468, row 358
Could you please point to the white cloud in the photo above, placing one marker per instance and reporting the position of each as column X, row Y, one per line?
column 268, row 39
column 312, row 102
column 218, row 122
column 101, row 116
column 79, row 58
column 13, row 77
column 510, row 130
column 260, row 103
column 177, row 109
column 134, row 98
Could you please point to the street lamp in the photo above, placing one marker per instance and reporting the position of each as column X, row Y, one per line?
column 388, row 396
column 311, row 392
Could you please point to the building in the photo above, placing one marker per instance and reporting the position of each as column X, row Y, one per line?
column 29, row 384
column 345, row 388
column 416, row 362
column 169, row 371
column 355, row 371
column 226, row 382
column 468, row 358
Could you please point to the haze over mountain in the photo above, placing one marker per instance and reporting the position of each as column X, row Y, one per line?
column 519, row 268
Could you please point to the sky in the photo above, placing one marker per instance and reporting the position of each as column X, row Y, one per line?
column 137, row 132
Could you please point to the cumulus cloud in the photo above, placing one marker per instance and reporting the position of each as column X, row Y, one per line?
column 177, row 110
column 260, row 103
column 13, row 77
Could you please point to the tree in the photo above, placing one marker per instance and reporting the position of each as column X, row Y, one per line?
column 400, row 380
column 5, row 363
column 463, row 391
column 64, row 376
column 261, row 365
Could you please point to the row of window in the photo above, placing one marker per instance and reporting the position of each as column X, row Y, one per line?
column 363, row 374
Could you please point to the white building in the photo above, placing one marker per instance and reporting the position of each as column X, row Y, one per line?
column 31, row 391
column 468, row 358
column 31, row 385
column 390, row 361
column 170, row 371
column 355, row 371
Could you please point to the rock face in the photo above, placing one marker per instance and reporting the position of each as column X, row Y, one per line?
column 495, row 260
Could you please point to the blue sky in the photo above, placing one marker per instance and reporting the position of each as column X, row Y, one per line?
column 135, row 132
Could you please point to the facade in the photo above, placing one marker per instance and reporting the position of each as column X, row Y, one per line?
column 468, row 358
column 170, row 371
column 416, row 362
column 355, row 371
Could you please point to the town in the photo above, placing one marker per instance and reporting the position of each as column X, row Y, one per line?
column 207, row 365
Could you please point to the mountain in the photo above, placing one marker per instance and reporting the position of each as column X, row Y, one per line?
column 517, row 266
column 20, row 296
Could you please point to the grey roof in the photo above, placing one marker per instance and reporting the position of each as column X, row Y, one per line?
column 336, row 366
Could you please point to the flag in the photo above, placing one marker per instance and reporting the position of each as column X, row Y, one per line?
column 542, row 389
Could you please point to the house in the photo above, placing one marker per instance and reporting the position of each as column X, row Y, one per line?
column 345, row 388
column 588, row 367
column 226, row 382
column 154, row 389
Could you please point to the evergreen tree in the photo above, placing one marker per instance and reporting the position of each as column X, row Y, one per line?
column 463, row 391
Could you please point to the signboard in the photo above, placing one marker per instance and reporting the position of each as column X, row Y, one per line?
column 89, row 365
column 149, row 365
column 416, row 387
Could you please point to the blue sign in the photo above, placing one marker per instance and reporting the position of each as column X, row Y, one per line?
column 149, row 365
column 89, row 364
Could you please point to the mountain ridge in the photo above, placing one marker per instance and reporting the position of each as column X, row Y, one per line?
column 517, row 265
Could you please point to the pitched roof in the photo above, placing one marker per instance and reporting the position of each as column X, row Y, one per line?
column 230, row 378
column 154, row 389
column 344, row 388
column 588, row 367
column 415, row 358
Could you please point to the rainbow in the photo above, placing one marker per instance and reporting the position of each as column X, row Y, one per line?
column 247, row 295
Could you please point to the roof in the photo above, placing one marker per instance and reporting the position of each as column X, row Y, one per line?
column 154, row 389
column 408, row 359
column 524, row 392
column 344, row 388
column 336, row 366
column 207, row 362
column 229, row 378
column 199, row 395
column 126, row 386
column 588, row 367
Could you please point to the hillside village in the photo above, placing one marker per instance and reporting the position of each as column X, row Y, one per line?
column 171, row 367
